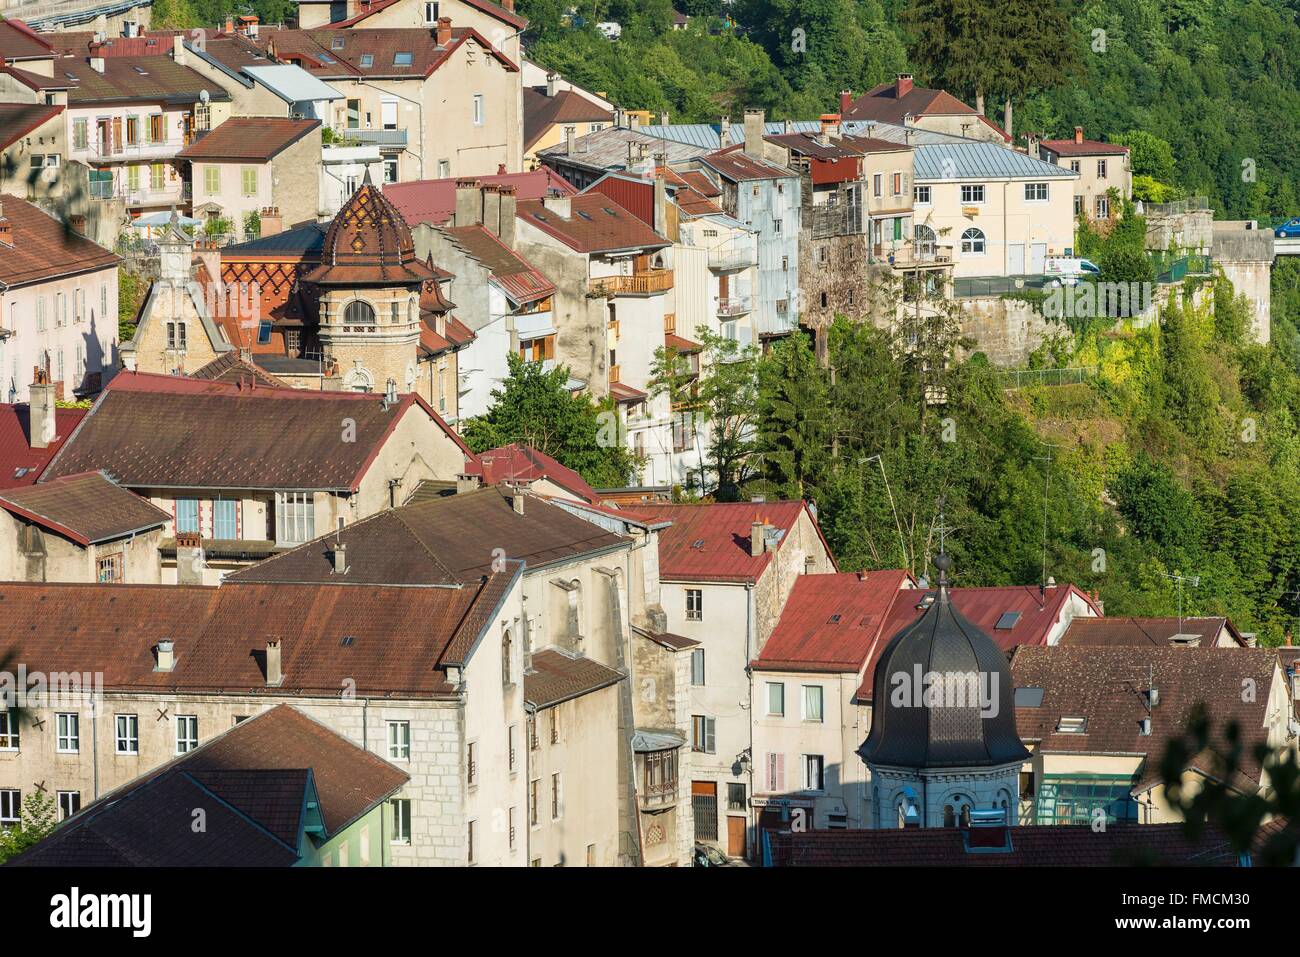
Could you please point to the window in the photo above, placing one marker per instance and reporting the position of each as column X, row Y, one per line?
column 157, row 176
column 471, row 763
column 898, row 184
column 735, row 797
column 478, row 109
column 40, row 314
column 176, row 338
column 248, row 180
column 694, row 604
column 813, row 765
column 402, row 59
column 776, row 699
column 133, row 178
column 187, row 733
column 80, row 134
column 69, row 804
column 877, row 185
column 1078, row 205
column 10, row 802
column 212, row 180
column 1074, row 166
column 507, row 653
column 128, row 734
column 358, row 313
column 703, row 734
column 295, row 518
column 390, row 169
column 697, row 667
column 264, row 328
column 157, row 129
column 533, row 787
column 774, row 773
column 401, row 820
column 187, row 515
column 109, row 569
column 554, row 724
column 972, row 194
column 399, row 740
column 69, row 733
column 972, row 242
column 1101, row 169
column 533, row 743
column 921, row 195
column 1103, row 207
column 660, row 777
column 1035, row 192
column 1075, row 799
column 510, row 747
column 812, row 703
column 8, row 731
column 510, row 821
column 776, row 225
column 430, row 14
column 225, row 523
column 557, row 802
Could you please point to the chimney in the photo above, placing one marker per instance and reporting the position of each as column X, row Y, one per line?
column 469, row 202
column 340, row 556
column 661, row 203
column 6, row 228
column 189, row 558
column 569, row 137
column 272, row 221
column 274, row 676
column 830, row 124
column 1078, row 134
column 40, row 405
column 77, row 222
column 444, row 31
column 724, row 132
column 466, row 483
column 1031, row 144
column 509, row 5
column 166, row 656
column 755, row 123
column 903, row 85
column 559, row 205
column 517, row 500
column 757, row 528
column 663, row 118
column 97, row 57
column 253, row 23
column 492, row 209
column 178, row 49
column 552, row 84
column 506, row 225
column 846, row 100
column 230, row 26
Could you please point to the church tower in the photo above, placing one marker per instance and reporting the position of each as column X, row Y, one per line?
column 943, row 742
column 370, row 283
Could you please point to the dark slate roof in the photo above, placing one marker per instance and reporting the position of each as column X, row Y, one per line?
column 253, row 781
column 1106, row 685
column 86, row 508
column 169, row 431
column 912, row 735
column 402, row 639
column 44, row 248
column 304, row 241
column 555, row 676
column 1059, row 846
column 440, row 541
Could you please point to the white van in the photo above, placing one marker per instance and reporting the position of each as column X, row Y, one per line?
column 1067, row 272
column 610, row 30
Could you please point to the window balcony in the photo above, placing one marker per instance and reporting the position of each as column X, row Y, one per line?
column 638, row 284
column 730, row 258
column 735, row 306
column 915, row 255
column 384, row 139
column 105, row 151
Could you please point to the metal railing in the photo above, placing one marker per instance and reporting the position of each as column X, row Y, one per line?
column 1176, row 268
column 973, row 287
column 732, row 257
column 638, row 284
column 1176, row 208
column 156, row 149
column 1021, row 378
column 735, row 306
column 382, row 138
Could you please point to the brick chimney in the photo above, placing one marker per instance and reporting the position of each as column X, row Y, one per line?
column 272, row 220
column 96, row 51
column 508, row 210
column 1078, row 134
column 6, row 228
column 230, row 26
column 189, row 558
column 903, row 85
column 469, row 202
column 846, row 100
column 444, row 31
column 755, row 123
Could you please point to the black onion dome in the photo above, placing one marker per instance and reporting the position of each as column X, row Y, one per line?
column 956, row 735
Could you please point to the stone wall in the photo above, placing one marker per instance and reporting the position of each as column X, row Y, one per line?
column 1246, row 257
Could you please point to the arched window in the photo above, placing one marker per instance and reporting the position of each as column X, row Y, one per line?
column 925, row 238
column 507, row 649
column 358, row 313
column 949, row 816
column 972, row 241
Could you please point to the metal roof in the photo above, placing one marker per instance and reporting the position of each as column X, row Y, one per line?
column 292, row 83
column 955, row 161
column 708, row 135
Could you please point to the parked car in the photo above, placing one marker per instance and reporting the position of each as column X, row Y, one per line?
column 1288, row 230
column 1064, row 271
column 705, row 855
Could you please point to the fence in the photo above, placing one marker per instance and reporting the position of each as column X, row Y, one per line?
column 1171, row 268
column 1177, row 208
column 975, row 286
column 1022, row 378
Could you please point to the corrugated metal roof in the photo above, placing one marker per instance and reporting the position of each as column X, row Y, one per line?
column 707, row 135
column 954, row 161
column 292, row 83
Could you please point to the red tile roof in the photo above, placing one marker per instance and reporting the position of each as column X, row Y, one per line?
column 710, row 542
column 135, row 79
column 735, row 164
column 44, row 248
column 541, row 112
column 830, row 623
column 402, row 639
column 19, row 119
column 518, row 462
column 517, row 278
column 18, row 41
column 371, row 7
column 318, row 51
column 555, row 676
column 20, row 464
column 883, row 104
column 983, row 607
column 1084, row 148
column 1058, row 846
column 248, row 139
column 35, row 81
column 152, row 430
column 86, row 508
column 1156, row 632
column 595, row 224
column 433, row 201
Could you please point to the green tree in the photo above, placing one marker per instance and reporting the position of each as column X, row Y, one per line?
column 37, row 818
column 535, row 406
column 174, row 15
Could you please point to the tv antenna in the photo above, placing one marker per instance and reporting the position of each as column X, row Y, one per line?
column 1179, row 577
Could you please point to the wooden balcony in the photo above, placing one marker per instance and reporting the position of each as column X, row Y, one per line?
column 670, row 322
column 638, row 284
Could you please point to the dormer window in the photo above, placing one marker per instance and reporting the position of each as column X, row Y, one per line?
column 1072, row 725
column 402, row 59
column 367, row 60
column 337, row 43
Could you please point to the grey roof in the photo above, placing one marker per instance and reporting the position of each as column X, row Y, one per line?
column 607, row 148
column 708, row 135
column 956, row 161
column 307, row 239
column 292, row 83
column 646, row 740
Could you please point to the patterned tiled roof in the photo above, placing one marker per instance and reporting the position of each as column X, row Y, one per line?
column 86, row 508
column 555, row 676
column 368, row 243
